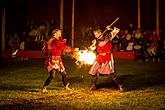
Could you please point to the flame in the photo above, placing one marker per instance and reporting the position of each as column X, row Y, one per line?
column 86, row 57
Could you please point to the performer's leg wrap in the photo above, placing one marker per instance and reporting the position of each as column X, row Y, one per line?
column 64, row 79
column 118, row 81
column 49, row 79
column 93, row 82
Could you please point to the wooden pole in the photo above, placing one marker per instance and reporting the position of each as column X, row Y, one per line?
column 157, row 17
column 73, row 3
column 138, row 13
column 3, row 29
column 61, row 15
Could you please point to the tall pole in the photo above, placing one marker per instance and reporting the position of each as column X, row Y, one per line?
column 3, row 29
column 138, row 13
column 73, row 3
column 61, row 15
column 157, row 17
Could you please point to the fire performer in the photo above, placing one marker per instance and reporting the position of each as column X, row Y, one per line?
column 55, row 65
column 104, row 63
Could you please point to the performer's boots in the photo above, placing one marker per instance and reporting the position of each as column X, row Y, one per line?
column 118, row 81
column 64, row 80
column 44, row 89
column 93, row 82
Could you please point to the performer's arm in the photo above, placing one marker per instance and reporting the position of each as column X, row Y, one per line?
column 114, row 33
column 66, row 48
column 49, row 43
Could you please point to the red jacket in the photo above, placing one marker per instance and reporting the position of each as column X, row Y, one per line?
column 56, row 47
column 104, row 52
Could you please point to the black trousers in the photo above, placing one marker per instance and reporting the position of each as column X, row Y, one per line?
column 53, row 75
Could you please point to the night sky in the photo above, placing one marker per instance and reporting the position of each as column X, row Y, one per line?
column 87, row 12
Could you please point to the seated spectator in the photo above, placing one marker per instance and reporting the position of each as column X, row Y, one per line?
column 126, row 38
column 138, row 46
column 155, row 47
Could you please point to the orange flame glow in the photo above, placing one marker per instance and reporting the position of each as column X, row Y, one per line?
column 86, row 57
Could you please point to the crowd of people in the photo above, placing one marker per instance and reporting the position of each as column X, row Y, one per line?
column 33, row 37
column 146, row 45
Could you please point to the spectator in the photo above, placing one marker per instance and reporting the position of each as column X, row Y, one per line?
column 138, row 46
column 130, row 29
column 155, row 47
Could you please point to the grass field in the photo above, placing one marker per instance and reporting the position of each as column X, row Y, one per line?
column 20, row 81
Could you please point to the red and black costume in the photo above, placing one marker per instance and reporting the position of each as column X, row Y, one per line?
column 56, row 48
column 55, row 64
column 104, row 63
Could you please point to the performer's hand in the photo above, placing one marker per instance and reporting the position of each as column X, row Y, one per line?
column 64, row 40
column 94, row 41
column 76, row 49
column 108, row 28
column 92, row 47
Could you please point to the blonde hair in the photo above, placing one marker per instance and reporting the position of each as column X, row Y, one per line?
column 97, row 31
column 55, row 31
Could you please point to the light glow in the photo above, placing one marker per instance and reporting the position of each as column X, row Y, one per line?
column 86, row 57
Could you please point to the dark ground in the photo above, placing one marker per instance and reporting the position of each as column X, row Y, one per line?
column 20, row 81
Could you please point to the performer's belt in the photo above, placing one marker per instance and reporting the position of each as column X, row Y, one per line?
column 104, row 53
column 56, row 57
